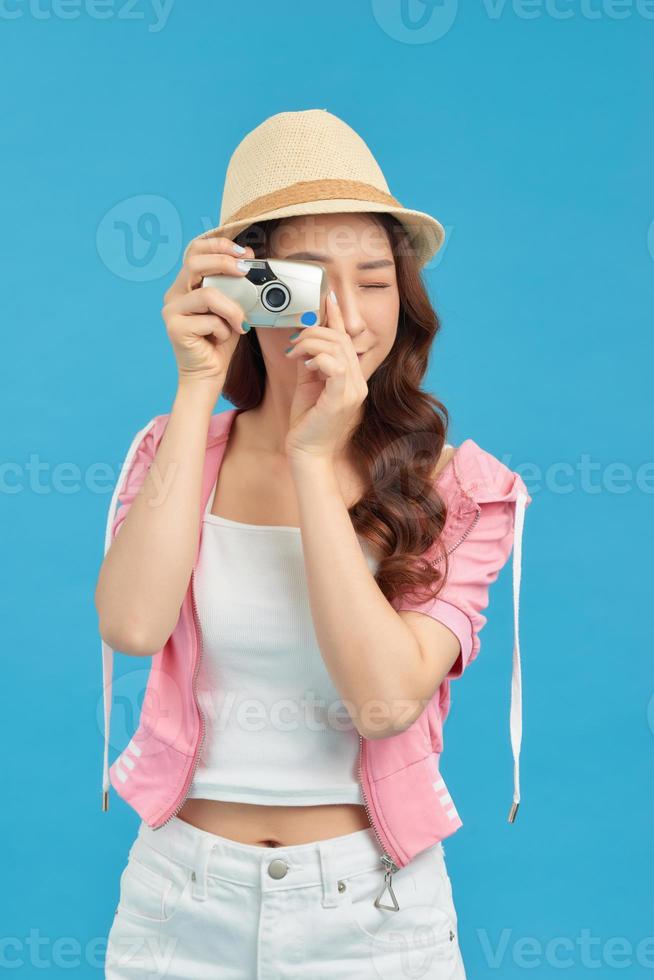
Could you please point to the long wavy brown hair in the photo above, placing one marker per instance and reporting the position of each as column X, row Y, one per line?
column 401, row 435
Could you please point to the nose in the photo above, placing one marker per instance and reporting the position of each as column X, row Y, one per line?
column 351, row 312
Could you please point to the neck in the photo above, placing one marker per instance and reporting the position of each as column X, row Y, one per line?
column 267, row 425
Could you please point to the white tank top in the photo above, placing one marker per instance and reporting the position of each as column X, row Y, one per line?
column 277, row 731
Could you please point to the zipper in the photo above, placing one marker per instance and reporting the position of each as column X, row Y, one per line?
column 200, row 745
column 390, row 867
column 462, row 538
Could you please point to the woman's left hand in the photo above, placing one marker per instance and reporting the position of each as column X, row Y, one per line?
column 329, row 391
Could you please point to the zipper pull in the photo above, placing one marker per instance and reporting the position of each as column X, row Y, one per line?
column 391, row 867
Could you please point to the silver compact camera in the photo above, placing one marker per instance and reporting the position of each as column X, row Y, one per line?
column 277, row 292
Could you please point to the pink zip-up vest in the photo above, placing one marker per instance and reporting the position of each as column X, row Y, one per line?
column 406, row 798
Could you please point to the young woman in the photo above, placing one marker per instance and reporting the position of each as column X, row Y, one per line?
column 285, row 766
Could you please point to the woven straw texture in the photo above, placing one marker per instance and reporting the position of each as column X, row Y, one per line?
column 312, row 162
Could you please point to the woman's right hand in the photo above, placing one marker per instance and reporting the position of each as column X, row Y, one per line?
column 203, row 324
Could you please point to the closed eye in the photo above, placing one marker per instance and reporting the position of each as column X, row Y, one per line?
column 377, row 285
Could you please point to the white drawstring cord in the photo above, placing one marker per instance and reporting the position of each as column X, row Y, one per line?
column 107, row 652
column 515, row 722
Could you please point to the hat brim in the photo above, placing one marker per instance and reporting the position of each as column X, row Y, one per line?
column 425, row 232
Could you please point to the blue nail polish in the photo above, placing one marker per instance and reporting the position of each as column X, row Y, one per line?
column 294, row 335
column 288, row 349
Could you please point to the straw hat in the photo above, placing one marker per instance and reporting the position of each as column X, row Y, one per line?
column 311, row 162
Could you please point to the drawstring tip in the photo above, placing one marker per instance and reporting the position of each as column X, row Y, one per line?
column 105, row 800
column 513, row 811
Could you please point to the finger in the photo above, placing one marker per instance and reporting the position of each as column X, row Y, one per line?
column 315, row 345
column 325, row 332
column 334, row 317
column 210, row 264
column 312, row 335
column 208, row 325
column 333, row 370
column 216, row 245
column 207, row 299
column 322, row 333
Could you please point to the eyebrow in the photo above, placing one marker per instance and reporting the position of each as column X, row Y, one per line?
column 318, row 257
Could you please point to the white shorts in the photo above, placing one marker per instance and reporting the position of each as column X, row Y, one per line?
column 197, row 906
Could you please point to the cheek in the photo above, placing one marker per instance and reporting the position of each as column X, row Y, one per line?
column 382, row 313
column 385, row 327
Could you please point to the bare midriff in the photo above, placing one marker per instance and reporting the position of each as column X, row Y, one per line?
column 274, row 826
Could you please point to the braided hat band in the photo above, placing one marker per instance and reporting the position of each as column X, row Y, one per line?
column 312, row 162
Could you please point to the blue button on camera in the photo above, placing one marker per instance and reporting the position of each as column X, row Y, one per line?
column 308, row 319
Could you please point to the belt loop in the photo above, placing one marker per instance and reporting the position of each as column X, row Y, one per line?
column 329, row 898
column 200, row 865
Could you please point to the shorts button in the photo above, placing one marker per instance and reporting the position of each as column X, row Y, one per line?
column 277, row 868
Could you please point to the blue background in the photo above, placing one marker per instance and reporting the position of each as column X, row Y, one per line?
column 528, row 134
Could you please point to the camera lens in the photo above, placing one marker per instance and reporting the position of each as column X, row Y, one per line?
column 275, row 297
